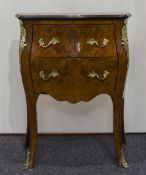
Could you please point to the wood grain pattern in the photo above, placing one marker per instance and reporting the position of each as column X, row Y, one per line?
column 73, row 59
column 73, row 40
column 73, row 83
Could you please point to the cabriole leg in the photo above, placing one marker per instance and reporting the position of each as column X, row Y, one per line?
column 118, row 131
column 31, row 137
column 123, row 128
column 27, row 137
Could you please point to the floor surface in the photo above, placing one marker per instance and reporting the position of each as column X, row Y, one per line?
column 73, row 155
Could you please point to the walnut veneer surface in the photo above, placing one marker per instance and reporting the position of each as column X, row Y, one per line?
column 74, row 57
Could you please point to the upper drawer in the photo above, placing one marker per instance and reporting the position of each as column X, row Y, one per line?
column 73, row 41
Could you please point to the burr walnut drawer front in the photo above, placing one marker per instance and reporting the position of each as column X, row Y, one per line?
column 73, row 40
column 66, row 78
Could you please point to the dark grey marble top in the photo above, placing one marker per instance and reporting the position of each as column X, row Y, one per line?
column 73, row 16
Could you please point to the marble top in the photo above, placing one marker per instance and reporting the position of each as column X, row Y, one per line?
column 72, row 15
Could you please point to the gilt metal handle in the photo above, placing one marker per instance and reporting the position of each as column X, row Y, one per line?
column 53, row 41
column 93, row 74
column 104, row 43
column 53, row 74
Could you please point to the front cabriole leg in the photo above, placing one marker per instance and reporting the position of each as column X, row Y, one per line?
column 32, row 127
column 117, row 96
column 31, row 96
column 117, row 129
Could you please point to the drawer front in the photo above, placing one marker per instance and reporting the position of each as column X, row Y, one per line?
column 74, row 79
column 73, row 41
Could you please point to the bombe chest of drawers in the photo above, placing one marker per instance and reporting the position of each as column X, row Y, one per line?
column 74, row 58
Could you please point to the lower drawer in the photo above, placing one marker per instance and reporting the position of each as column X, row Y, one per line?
column 74, row 79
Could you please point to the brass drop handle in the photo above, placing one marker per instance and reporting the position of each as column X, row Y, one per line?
column 104, row 43
column 53, row 74
column 53, row 41
column 93, row 74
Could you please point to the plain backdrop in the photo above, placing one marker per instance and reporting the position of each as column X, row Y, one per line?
column 62, row 117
